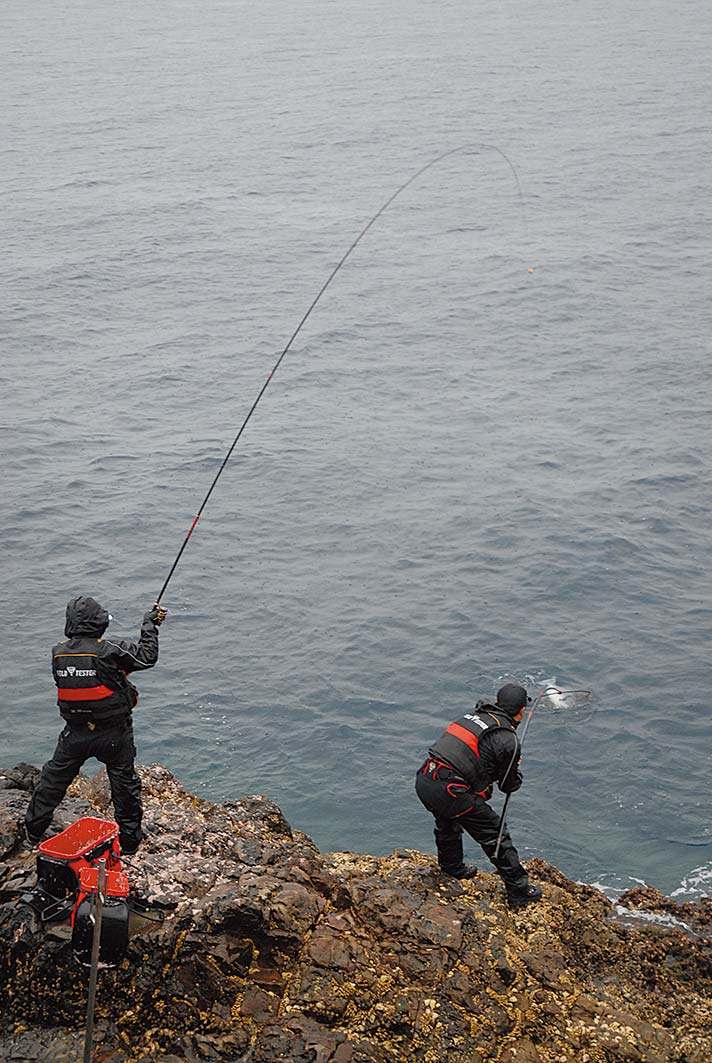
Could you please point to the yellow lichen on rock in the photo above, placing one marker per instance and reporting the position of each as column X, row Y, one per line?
column 272, row 951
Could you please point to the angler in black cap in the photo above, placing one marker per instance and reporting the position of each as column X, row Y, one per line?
column 96, row 700
column 456, row 781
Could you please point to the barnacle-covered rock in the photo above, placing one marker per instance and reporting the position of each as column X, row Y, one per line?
column 275, row 953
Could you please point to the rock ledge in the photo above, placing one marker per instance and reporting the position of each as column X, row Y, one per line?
column 272, row 952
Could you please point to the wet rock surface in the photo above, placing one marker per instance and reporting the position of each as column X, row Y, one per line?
column 271, row 952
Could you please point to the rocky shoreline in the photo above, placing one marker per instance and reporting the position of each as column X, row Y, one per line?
column 272, row 952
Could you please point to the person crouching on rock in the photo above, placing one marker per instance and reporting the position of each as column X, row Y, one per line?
column 456, row 782
column 96, row 700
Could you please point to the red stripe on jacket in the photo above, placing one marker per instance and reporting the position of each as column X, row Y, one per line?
column 465, row 736
column 84, row 693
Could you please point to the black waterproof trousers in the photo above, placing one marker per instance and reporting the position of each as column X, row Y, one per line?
column 112, row 743
column 457, row 808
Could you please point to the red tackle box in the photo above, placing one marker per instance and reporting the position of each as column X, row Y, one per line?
column 61, row 859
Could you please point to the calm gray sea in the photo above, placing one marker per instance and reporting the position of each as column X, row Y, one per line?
column 462, row 473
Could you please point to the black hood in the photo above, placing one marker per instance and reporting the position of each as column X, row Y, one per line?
column 85, row 617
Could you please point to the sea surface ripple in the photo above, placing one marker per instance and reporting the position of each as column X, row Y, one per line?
column 462, row 473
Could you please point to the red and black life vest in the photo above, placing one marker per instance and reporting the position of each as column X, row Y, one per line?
column 459, row 744
column 87, row 687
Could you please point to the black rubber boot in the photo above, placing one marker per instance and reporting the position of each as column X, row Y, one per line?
column 129, row 845
column 466, row 871
column 29, row 841
column 519, row 900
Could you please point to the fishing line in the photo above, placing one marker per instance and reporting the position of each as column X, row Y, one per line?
column 473, row 148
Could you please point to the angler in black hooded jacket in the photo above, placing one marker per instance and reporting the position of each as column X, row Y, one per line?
column 456, row 782
column 96, row 700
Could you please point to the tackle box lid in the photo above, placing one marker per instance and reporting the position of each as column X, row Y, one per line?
column 80, row 838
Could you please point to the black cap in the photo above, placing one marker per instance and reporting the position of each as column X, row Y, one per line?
column 512, row 697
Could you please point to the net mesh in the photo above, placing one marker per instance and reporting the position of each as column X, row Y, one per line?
column 562, row 700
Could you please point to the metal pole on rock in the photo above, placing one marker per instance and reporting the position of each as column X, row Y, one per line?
column 96, row 942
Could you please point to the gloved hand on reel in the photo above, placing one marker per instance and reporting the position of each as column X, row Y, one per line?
column 156, row 614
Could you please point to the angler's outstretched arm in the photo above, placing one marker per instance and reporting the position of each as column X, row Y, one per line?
column 500, row 754
column 137, row 656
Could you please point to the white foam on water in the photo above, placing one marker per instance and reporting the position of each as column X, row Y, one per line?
column 616, row 888
column 698, row 883
column 654, row 918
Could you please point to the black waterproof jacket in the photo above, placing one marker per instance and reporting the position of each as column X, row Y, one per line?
column 496, row 760
column 91, row 672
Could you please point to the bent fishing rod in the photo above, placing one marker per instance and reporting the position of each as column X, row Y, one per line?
column 549, row 692
column 465, row 148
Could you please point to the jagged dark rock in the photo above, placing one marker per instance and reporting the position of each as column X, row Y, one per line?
column 272, row 952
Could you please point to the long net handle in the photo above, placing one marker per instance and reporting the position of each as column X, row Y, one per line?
column 536, row 701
